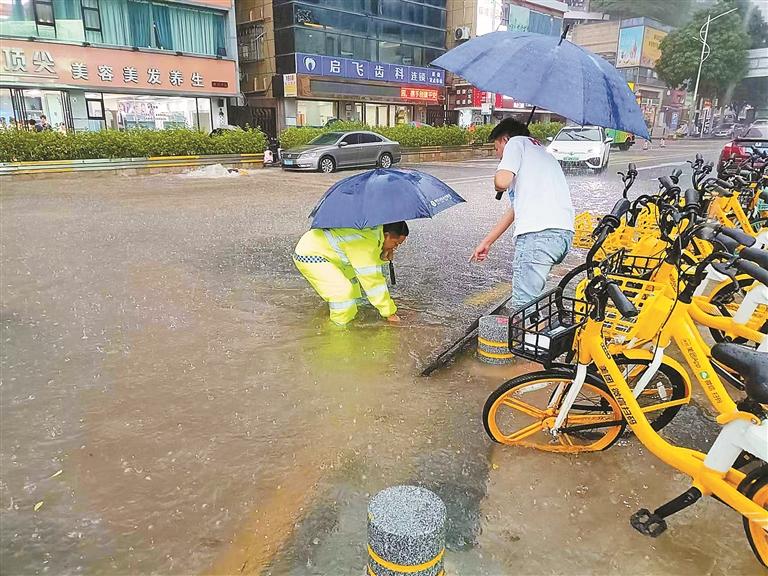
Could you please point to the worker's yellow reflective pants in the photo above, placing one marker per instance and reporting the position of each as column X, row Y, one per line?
column 337, row 286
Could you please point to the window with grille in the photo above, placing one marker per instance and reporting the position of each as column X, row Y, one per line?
column 250, row 43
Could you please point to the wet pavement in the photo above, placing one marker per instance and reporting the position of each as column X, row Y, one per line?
column 174, row 401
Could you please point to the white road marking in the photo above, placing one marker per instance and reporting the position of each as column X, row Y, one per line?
column 661, row 165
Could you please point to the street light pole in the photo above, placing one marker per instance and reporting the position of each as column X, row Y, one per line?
column 705, row 52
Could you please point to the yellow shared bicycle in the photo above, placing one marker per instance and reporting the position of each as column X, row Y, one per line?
column 572, row 409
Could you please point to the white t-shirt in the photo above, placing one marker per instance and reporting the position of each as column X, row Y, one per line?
column 539, row 192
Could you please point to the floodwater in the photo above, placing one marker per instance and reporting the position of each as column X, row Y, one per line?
column 174, row 401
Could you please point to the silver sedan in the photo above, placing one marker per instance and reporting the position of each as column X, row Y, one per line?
column 333, row 150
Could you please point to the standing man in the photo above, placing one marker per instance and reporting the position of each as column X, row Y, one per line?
column 541, row 210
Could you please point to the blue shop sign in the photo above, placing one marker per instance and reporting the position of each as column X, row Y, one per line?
column 365, row 70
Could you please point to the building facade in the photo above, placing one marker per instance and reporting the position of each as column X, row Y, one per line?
column 470, row 18
column 632, row 46
column 357, row 60
column 117, row 64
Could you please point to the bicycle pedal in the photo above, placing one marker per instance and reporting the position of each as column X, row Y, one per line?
column 648, row 523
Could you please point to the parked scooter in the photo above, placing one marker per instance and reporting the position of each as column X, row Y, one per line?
column 273, row 154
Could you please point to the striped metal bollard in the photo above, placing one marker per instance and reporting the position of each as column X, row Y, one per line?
column 406, row 533
column 493, row 340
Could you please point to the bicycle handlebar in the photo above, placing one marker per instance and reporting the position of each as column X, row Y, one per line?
column 756, row 255
column 753, row 270
column 692, row 199
column 735, row 234
column 619, row 299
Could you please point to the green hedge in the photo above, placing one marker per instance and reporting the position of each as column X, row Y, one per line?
column 26, row 146
column 23, row 145
column 415, row 136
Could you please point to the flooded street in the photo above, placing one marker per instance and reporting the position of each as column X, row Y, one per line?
column 174, row 401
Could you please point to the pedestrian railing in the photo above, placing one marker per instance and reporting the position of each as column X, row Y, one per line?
column 98, row 164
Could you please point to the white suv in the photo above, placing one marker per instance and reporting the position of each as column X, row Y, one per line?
column 580, row 146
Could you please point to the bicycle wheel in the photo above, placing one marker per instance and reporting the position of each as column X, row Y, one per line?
column 522, row 411
column 663, row 396
column 572, row 278
column 755, row 486
column 726, row 299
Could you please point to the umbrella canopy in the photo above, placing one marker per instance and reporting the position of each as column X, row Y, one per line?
column 550, row 73
column 382, row 196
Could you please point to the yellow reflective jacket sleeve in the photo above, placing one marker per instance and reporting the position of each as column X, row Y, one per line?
column 363, row 249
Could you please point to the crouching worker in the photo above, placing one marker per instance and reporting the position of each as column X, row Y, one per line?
column 339, row 262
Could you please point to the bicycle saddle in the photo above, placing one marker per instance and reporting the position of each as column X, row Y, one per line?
column 751, row 364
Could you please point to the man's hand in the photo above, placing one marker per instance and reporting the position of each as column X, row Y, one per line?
column 394, row 319
column 481, row 252
column 387, row 255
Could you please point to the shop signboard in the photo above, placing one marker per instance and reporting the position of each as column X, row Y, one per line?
column 419, row 93
column 519, row 18
column 290, row 88
column 113, row 70
column 479, row 97
column 630, row 47
column 651, row 52
column 331, row 66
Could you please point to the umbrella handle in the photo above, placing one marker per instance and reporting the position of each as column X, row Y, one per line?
column 392, row 273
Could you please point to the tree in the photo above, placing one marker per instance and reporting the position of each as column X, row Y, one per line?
column 756, row 26
column 726, row 64
column 752, row 91
column 672, row 12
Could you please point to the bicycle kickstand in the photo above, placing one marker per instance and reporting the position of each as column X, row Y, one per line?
column 652, row 523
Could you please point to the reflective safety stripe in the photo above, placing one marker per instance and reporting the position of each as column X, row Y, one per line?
column 335, row 245
column 376, row 291
column 342, row 305
column 350, row 238
column 367, row 270
column 309, row 259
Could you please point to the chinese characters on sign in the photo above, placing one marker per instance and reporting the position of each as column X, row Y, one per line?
column 14, row 61
column 153, row 76
column 365, row 70
column 417, row 93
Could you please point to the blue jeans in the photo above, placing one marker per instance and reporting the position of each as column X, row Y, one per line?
column 535, row 254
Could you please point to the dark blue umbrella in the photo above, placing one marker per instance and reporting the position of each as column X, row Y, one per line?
column 382, row 196
column 550, row 73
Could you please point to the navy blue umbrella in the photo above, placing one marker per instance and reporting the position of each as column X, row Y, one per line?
column 382, row 196
column 550, row 73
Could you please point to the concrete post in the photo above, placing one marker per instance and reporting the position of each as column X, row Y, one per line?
column 493, row 340
column 406, row 533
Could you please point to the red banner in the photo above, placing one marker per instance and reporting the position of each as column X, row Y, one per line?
column 419, row 93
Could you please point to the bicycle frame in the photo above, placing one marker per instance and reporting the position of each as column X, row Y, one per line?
column 726, row 210
column 712, row 474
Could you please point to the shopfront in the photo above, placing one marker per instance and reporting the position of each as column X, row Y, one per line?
column 317, row 113
column 372, row 93
column 87, row 88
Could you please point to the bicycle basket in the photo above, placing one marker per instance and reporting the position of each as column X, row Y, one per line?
column 583, row 225
column 634, row 265
column 543, row 329
column 618, row 330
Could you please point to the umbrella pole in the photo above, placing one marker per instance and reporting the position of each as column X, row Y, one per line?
column 530, row 117
column 392, row 273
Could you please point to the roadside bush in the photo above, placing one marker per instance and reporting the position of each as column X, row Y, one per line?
column 26, row 146
column 543, row 130
column 414, row 136
column 481, row 134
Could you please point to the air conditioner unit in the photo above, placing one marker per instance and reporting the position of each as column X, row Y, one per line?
column 461, row 33
column 260, row 83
